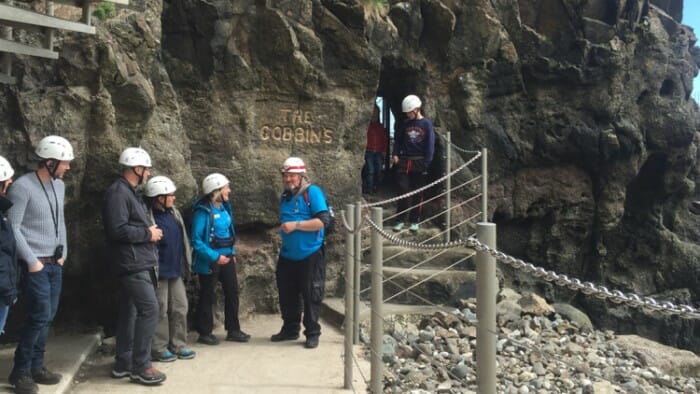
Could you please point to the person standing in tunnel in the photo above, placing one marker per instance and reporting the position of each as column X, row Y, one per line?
column 131, row 241
column 39, row 227
column 414, row 147
column 301, row 266
column 374, row 153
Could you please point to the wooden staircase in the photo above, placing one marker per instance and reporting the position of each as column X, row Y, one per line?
column 19, row 17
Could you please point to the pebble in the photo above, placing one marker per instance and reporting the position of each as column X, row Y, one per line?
column 532, row 356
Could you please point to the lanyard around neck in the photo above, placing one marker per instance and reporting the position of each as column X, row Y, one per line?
column 54, row 215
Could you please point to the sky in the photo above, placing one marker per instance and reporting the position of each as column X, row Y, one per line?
column 691, row 17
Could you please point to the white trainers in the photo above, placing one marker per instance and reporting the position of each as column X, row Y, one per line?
column 398, row 227
column 414, row 227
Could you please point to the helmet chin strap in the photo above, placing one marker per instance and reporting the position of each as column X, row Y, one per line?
column 139, row 175
column 51, row 169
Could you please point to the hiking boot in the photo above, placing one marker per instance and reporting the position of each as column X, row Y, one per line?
column 237, row 336
column 413, row 228
column 148, row 377
column 185, row 354
column 44, row 376
column 398, row 226
column 284, row 336
column 208, row 339
column 165, row 357
column 118, row 373
column 23, row 382
column 311, row 342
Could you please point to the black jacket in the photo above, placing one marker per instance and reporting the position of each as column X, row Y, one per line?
column 126, row 223
column 8, row 257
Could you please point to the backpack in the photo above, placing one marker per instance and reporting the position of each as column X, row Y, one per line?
column 330, row 227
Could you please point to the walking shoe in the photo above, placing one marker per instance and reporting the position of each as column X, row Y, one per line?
column 284, row 336
column 185, row 354
column 44, row 376
column 149, row 377
column 208, row 339
column 23, row 382
column 398, row 227
column 118, row 373
column 237, row 336
column 311, row 342
column 165, row 357
column 413, row 228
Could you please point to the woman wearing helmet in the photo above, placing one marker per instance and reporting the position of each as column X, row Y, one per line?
column 414, row 146
column 174, row 260
column 213, row 237
column 8, row 252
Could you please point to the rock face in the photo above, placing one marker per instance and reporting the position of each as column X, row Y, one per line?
column 584, row 106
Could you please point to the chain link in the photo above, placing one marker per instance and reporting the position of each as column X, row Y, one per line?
column 457, row 148
column 410, row 244
column 647, row 304
column 426, row 187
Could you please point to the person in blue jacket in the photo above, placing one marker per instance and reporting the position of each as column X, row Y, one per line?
column 301, row 267
column 8, row 247
column 213, row 238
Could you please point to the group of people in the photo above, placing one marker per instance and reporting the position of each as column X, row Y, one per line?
column 151, row 255
column 413, row 151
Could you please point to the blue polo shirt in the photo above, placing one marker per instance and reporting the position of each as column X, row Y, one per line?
column 299, row 245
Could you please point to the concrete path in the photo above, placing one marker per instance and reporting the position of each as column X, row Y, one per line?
column 258, row 366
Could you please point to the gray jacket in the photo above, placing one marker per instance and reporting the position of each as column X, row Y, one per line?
column 126, row 223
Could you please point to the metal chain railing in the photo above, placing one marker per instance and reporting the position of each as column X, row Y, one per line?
column 456, row 147
column 646, row 304
column 426, row 187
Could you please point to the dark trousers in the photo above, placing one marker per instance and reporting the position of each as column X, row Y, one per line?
column 42, row 291
column 412, row 175
column 301, row 285
column 226, row 274
column 373, row 167
column 138, row 318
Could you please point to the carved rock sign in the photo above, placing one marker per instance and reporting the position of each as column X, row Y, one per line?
column 287, row 123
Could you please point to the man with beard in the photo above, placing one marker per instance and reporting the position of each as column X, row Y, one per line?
column 40, row 230
column 301, row 267
column 131, row 241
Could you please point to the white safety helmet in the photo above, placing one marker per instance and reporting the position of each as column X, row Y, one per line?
column 54, row 147
column 410, row 103
column 213, row 182
column 294, row 165
column 159, row 185
column 135, row 157
column 6, row 170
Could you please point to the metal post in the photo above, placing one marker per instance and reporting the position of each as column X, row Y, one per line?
column 48, row 38
column 86, row 18
column 358, row 259
column 349, row 286
column 377, row 320
column 484, row 185
column 7, row 57
column 486, row 292
column 448, row 185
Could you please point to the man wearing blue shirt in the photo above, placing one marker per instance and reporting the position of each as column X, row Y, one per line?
column 301, row 267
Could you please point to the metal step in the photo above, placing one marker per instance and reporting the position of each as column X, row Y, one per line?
column 21, row 49
column 14, row 16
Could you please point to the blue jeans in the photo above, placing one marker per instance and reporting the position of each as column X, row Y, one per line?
column 373, row 166
column 42, row 291
column 137, row 322
column 4, row 310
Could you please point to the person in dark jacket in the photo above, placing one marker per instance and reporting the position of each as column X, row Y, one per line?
column 414, row 147
column 8, row 247
column 174, row 260
column 213, row 238
column 131, row 241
